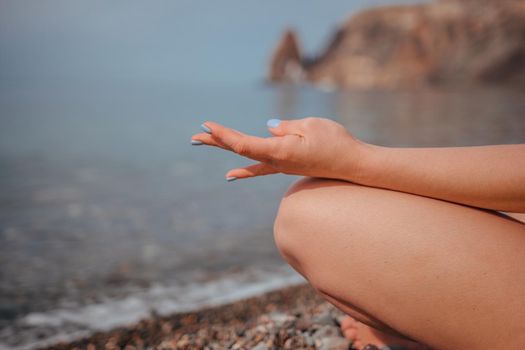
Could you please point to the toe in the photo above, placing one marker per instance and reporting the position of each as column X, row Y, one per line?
column 350, row 333
column 348, row 322
column 357, row 344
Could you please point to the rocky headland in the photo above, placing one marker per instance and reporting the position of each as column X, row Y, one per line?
column 447, row 42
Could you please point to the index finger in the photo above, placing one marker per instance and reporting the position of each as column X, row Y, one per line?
column 257, row 148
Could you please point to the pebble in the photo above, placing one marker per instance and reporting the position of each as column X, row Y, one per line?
column 260, row 346
column 325, row 318
column 282, row 320
column 303, row 324
column 292, row 318
column 327, row 331
column 334, row 343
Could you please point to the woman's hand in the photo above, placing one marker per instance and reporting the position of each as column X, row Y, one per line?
column 311, row 147
column 490, row 177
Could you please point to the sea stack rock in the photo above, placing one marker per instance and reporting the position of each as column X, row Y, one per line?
column 447, row 42
column 286, row 64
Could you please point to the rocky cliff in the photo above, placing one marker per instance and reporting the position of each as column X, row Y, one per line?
column 444, row 42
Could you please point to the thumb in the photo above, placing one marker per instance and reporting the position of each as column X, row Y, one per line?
column 284, row 127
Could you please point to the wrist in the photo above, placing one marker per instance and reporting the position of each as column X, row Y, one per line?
column 367, row 164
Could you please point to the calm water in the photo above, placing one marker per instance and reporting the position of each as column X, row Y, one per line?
column 102, row 190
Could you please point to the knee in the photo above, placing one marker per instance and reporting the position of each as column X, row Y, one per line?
column 299, row 214
column 288, row 221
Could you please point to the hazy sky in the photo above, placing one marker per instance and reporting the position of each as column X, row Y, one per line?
column 184, row 41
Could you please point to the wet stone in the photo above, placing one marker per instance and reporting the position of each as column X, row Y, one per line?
column 303, row 324
column 324, row 318
column 334, row 343
column 297, row 319
column 260, row 346
column 327, row 331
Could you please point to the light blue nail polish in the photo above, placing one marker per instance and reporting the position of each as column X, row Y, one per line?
column 231, row 178
column 273, row 123
column 205, row 129
column 196, row 142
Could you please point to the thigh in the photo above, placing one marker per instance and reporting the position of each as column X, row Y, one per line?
column 444, row 274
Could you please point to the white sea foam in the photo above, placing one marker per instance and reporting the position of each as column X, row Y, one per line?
column 64, row 325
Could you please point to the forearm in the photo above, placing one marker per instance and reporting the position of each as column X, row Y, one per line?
column 491, row 177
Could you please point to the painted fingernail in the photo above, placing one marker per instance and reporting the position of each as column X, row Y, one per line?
column 205, row 129
column 273, row 123
column 196, row 142
column 231, row 178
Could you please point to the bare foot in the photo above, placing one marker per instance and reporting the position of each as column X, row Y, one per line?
column 362, row 335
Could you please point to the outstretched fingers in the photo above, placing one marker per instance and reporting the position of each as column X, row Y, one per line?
column 264, row 150
column 258, row 169
column 205, row 139
column 253, row 147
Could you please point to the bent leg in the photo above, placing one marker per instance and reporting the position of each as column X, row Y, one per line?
column 443, row 274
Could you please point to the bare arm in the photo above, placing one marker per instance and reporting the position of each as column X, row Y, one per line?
column 491, row 177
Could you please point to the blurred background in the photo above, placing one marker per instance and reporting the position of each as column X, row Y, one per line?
column 101, row 195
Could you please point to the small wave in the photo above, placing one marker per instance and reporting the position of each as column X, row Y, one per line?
column 66, row 325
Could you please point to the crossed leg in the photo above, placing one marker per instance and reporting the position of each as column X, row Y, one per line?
column 445, row 275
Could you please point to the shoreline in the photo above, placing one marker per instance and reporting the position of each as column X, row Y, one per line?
column 293, row 317
column 68, row 323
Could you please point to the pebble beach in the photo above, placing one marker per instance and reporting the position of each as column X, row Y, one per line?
column 290, row 318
